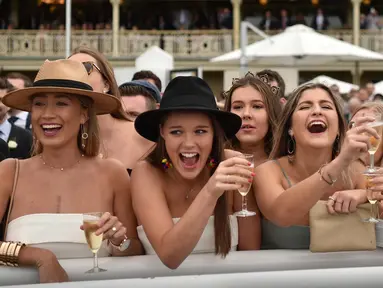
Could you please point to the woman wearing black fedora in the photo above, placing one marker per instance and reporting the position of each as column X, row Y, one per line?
column 49, row 193
column 184, row 181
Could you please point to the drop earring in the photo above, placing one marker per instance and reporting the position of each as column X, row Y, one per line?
column 166, row 164
column 84, row 137
column 212, row 163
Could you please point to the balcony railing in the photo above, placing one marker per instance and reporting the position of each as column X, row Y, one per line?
column 183, row 45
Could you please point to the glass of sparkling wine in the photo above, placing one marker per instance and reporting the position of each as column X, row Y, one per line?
column 245, row 189
column 374, row 143
column 371, row 195
column 90, row 225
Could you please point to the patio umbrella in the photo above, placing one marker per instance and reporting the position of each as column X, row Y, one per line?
column 300, row 45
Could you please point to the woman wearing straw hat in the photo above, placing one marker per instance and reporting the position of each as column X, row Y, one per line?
column 49, row 192
column 182, row 183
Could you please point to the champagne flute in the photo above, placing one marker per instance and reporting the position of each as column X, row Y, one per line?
column 90, row 224
column 374, row 143
column 245, row 189
column 371, row 195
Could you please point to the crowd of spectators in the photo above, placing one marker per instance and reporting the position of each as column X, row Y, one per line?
column 199, row 19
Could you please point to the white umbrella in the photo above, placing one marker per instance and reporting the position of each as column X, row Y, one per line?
column 300, row 45
column 344, row 87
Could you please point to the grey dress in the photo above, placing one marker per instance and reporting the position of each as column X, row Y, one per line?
column 275, row 237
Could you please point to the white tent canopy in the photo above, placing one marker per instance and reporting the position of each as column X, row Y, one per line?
column 344, row 87
column 158, row 61
column 300, row 45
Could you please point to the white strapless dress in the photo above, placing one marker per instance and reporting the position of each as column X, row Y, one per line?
column 206, row 243
column 59, row 233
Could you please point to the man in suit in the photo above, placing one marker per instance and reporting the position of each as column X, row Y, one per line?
column 320, row 21
column 19, row 118
column 4, row 151
column 269, row 22
column 18, row 139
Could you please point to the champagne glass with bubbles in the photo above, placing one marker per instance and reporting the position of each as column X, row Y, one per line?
column 244, row 190
column 372, row 195
column 90, row 225
column 374, row 143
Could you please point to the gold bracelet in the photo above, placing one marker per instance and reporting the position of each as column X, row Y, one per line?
column 2, row 249
column 10, row 254
column 3, row 252
column 17, row 252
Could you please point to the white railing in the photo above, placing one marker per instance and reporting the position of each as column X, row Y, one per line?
column 283, row 261
column 193, row 45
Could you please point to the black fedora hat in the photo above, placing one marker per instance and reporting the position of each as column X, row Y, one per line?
column 186, row 93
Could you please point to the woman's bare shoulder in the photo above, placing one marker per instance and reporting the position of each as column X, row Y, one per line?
column 7, row 173
column 145, row 168
column 269, row 165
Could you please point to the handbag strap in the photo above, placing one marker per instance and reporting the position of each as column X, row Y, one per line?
column 16, row 177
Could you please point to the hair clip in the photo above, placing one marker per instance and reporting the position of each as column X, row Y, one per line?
column 264, row 78
column 275, row 89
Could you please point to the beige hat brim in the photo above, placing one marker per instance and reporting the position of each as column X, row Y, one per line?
column 21, row 99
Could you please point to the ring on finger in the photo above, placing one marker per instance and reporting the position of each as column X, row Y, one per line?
column 331, row 198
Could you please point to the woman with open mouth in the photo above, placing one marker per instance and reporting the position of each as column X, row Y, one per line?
column 313, row 159
column 179, row 192
column 257, row 103
column 48, row 193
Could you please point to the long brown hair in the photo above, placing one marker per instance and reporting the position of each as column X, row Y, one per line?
column 282, row 138
column 271, row 100
column 108, row 75
column 221, row 216
column 92, row 144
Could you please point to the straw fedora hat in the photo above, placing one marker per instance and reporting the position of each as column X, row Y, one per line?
column 62, row 76
column 186, row 93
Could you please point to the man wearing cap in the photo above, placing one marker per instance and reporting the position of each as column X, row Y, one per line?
column 139, row 96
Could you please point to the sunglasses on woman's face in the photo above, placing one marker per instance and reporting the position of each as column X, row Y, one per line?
column 89, row 67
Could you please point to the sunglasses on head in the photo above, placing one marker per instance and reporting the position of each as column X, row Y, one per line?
column 89, row 67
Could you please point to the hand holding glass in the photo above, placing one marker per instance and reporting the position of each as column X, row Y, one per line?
column 90, row 225
column 245, row 189
column 374, row 142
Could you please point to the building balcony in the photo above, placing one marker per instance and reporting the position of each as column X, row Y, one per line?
column 188, row 45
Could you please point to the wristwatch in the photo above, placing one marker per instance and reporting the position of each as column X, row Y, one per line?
column 123, row 246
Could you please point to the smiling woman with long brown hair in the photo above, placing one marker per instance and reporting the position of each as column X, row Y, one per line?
column 180, row 192
column 252, row 98
column 313, row 159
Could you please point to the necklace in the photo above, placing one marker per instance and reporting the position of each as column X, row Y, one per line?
column 187, row 193
column 60, row 168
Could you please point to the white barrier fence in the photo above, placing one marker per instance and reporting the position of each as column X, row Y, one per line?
column 253, row 262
